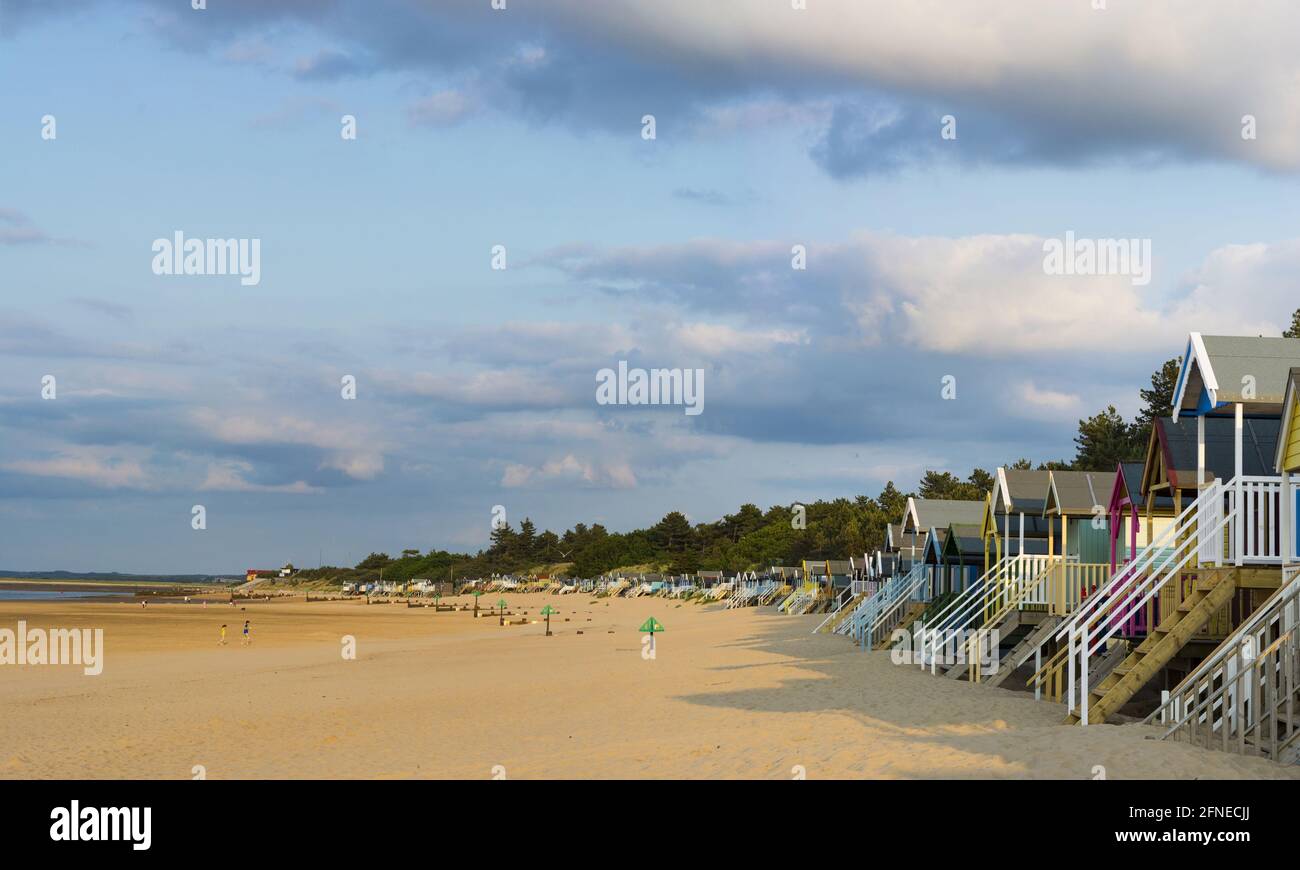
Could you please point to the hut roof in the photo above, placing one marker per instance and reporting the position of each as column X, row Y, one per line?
column 1078, row 493
column 1288, row 436
column 1019, row 491
column 1221, row 370
column 930, row 513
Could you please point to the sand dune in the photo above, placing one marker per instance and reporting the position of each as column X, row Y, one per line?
column 731, row 693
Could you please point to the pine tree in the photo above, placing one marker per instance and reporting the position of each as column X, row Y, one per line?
column 503, row 539
column 1104, row 440
column 526, row 543
column 1294, row 331
column 672, row 533
column 1156, row 402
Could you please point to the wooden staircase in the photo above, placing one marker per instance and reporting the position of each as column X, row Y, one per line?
column 910, row 615
column 1245, row 696
column 845, row 612
column 1212, row 590
column 1023, row 651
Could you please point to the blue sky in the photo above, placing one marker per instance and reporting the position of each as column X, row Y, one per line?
column 775, row 127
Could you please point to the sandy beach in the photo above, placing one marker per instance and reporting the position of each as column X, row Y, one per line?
column 730, row 694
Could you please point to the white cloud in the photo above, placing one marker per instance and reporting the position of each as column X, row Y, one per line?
column 990, row 294
column 1044, row 403
column 97, row 466
column 614, row 475
column 229, row 476
column 1247, row 289
column 1142, row 74
column 442, row 108
column 718, row 339
column 354, row 450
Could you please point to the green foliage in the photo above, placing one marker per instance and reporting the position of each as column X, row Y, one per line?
column 374, row 560
column 1294, row 330
column 1104, row 440
column 945, row 484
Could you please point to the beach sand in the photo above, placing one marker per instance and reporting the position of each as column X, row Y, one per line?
column 731, row 693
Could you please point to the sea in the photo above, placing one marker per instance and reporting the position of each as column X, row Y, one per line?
column 46, row 595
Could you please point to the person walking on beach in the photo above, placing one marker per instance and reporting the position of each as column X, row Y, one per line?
column 222, row 642
column 247, row 638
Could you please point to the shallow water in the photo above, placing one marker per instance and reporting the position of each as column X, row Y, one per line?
column 46, row 595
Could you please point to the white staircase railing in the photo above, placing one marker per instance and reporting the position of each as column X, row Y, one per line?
column 1100, row 616
column 942, row 629
column 846, row 595
column 865, row 613
column 889, row 604
column 860, row 587
column 1236, row 697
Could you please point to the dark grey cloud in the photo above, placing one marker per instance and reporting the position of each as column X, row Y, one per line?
column 1021, row 104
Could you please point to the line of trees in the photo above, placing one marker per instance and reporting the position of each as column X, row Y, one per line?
column 754, row 538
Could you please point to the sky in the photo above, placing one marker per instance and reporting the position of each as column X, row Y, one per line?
column 919, row 153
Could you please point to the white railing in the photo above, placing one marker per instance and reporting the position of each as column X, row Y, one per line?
column 1006, row 581
column 952, row 611
column 890, row 613
column 841, row 600
column 1101, row 615
column 1239, row 691
column 1254, row 534
column 865, row 613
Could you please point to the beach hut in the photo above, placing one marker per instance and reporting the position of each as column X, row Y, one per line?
column 1220, row 558
column 1243, row 696
column 1287, row 464
column 709, row 579
column 1078, row 503
column 1015, row 523
column 924, row 517
column 906, row 548
column 932, row 556
column 962, row 555
column 839, row 573
column 1137, row 516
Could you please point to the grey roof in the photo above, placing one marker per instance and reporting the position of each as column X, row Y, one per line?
column 1220, row 368
column 942, row 512
column 964, row 541
column 901, row 540
column 1079, row 493
column 1131, row 475
column 1027, row 491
